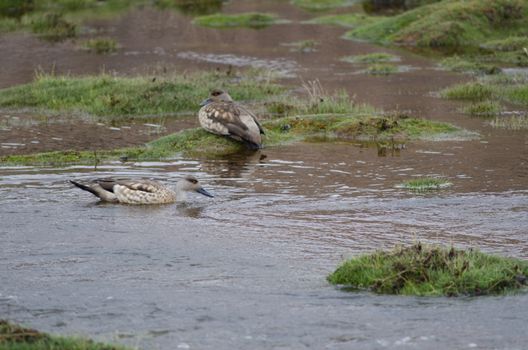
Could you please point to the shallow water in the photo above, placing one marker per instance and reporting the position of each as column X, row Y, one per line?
column 247, row 268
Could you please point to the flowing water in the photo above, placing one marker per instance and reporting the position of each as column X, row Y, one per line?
column 247, row 269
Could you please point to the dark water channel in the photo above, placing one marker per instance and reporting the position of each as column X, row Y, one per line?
column 247, row 268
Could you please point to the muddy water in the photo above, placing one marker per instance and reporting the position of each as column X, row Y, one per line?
column 246, row 269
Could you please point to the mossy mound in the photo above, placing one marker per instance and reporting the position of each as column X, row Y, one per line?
column 432, row 271
column 15, row 337
column 449, row 23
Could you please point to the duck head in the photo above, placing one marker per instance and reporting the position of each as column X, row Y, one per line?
column 191, row 184
column 217, row 95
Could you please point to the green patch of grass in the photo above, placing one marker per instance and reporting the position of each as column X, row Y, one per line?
column 100, row 45
column 483, row 108
column 426, row 184
column 192, row 7
column 350, row 20
column 432, row 271
column 109, row 96
column 375, row 57
column 473, row 91
column 512, row 43
column 449, row 23
column 15, row 337
column 303, row 45
column 381, row 69
column 516, row 122
column 508, row 88
column 250, row 20
column 461, row 64
column 321, row 5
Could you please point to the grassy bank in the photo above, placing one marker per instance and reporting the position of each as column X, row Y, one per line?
column 321, row 5
column 432, row 271
column 109, row 96
column 15, row 337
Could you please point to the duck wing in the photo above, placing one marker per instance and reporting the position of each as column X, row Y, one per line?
column 227, row 118
column 134, row 185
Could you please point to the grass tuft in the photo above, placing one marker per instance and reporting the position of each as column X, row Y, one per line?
column 425, row 270
column 483, row 108
column 425, row 184
column 473, row 91
column 100, row 45
column 250, row 20
column 15, row 337
column 375, row 57
column 381, row 69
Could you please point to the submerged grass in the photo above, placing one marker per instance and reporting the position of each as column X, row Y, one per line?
column 249, row 20
column 432, row 271
column 516, row 122
column 100, row 45
column 109, row 96
column 465, row 64
column 381, row 69
column 351, row 20
column 319, row 5
column 375, row 57
column 15, row 337
column 425, row 184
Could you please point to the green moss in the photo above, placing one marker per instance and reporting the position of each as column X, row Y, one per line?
column 375, row 57
column 381, row 69
column 15, row 337
column 432, row 271
column 249, row 19
column 318, row 5
column 351, row 20
column 483, row 108
column 100, row 45
column 426, row 184
column 106, row 95
column 449, row 23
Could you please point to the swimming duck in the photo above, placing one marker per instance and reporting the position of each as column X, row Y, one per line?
column 141, row 191
column 222, row 116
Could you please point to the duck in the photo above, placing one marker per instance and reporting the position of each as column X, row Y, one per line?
column 141, row 191
column 220, row 115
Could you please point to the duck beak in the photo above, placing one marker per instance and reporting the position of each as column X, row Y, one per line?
column 205, row 102
column 201, row 190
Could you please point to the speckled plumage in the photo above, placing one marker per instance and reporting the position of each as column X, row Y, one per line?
column 222, row 116
column 141, row 191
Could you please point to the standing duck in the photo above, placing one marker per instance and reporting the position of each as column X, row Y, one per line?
column 141, row 191
column 222, row 116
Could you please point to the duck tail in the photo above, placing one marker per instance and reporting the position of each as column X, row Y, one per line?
column 253, row 146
